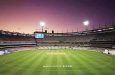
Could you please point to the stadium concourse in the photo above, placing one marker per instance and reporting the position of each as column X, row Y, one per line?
column 97, row 38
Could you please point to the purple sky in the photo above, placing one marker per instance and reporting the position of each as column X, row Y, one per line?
column 59, row 15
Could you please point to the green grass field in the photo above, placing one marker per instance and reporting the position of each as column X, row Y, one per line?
column 57, row 62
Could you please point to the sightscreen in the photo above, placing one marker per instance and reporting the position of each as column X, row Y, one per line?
column 39, row 35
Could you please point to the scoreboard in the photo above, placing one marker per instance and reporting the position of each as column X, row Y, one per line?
column 39, row 35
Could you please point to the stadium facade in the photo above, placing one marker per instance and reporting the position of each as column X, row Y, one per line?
column 102, row 38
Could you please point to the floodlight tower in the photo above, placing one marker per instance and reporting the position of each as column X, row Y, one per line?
column 86, row 24
column 42, row 24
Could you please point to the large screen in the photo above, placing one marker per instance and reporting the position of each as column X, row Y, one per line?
column 39, row 35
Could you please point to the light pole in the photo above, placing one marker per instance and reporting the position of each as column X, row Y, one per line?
column 86, row 24
column 42, row 24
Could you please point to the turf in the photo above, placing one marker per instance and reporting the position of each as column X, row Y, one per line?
column 57, row 62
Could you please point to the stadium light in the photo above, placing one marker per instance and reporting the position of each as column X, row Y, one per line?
column 111, row 28
column 42, row 24
column 86, row 24
column 99, row 30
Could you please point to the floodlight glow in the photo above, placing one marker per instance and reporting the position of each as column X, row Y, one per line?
column 42, row 24
column 94, row 31
column 86, row 23
column 111, row 28
column 99, row 30
column 105, row 29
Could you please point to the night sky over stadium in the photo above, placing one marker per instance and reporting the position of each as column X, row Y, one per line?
column 59, row 15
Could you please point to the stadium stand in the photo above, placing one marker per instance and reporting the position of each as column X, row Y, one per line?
column 13, row 39
column 102, row 38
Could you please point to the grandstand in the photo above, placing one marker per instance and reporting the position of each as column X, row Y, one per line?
column 103, row 38
column 14, row 39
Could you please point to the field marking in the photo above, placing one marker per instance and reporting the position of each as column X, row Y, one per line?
column 56, row 53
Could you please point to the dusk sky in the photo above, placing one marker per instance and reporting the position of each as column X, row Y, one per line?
column 59, row 15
